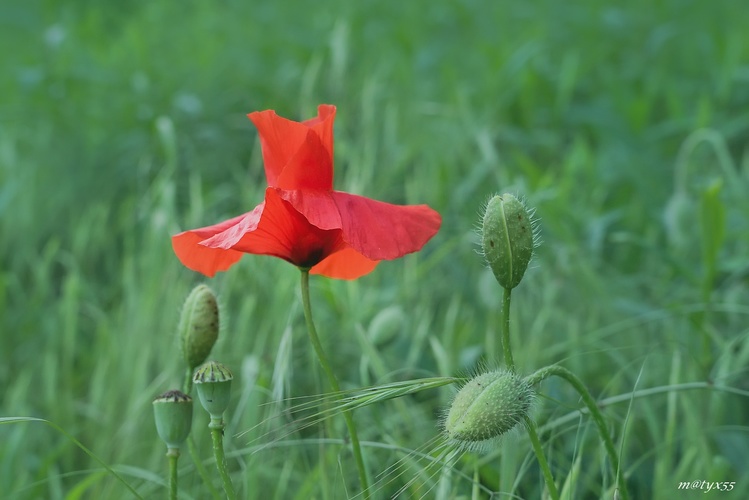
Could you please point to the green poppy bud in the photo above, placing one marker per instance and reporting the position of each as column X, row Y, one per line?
column 508, row 239
column 198, row 325
column 213, row 382
column 487, row 407
column 173, row 414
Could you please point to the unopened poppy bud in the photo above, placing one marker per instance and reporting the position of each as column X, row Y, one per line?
column 198, row 325
column 507, row 239
column 487, row 407
column 213, row 382
column 173, row 414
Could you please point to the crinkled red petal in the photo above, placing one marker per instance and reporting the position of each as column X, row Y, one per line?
column 382, row 231
column 310, row 168
column 317, row 207
column 377, row 230
column 297, row 155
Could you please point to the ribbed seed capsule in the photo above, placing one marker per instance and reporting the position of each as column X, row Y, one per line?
column 507, row 239
column 213, row 382
column 173, row 414
column 198, row 325
column 487, row 407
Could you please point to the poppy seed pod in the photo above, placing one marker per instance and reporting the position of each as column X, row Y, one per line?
column 487, row 407
column 198, row 325
column 213, row 382
column 507, row 239
column 173, row 414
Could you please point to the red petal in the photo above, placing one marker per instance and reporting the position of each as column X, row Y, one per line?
column 234, row 229
column 310, row 168
column 324, row 111
column 381, row 231
column 197, row 257
column 317, row 207
column 346, row 264
column 297, row 155
column 378, row 230
column 276, row 228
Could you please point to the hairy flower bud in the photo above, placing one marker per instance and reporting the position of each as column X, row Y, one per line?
column 507, row 239
column 487, row 407
column 198, row 325
column 173, row 414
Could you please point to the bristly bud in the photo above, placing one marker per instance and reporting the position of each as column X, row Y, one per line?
column 487, row 407
column 173, row 414
column 198, row 325
column 213, row 382
column 508, row 239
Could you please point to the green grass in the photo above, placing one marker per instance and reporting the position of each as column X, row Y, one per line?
column 123, row 124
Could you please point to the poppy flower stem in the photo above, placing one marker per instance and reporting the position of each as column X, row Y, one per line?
column 173, row 455
column 356, row 447
column 201, row 468
column 506, row 329
column 594, row 411
column 217, row 436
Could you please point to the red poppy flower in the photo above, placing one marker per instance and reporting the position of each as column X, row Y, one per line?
column 303, row 220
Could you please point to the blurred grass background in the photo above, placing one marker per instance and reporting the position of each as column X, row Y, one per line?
column 625, row 125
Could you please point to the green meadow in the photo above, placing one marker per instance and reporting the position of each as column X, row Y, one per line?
column 625, row 125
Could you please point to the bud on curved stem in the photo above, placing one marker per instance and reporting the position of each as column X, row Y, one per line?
column 487, row 407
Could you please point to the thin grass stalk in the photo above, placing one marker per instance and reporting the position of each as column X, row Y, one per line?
column 530, row 426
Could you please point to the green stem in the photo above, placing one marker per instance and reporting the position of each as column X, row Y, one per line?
column 595, row 413
column 475, row 492
column 506, row 329
column 187, row 384
column 173, row 454
column 200, row 468
column 217, row 434
column 530, row 426
column 187, row 389
column 356, row 447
